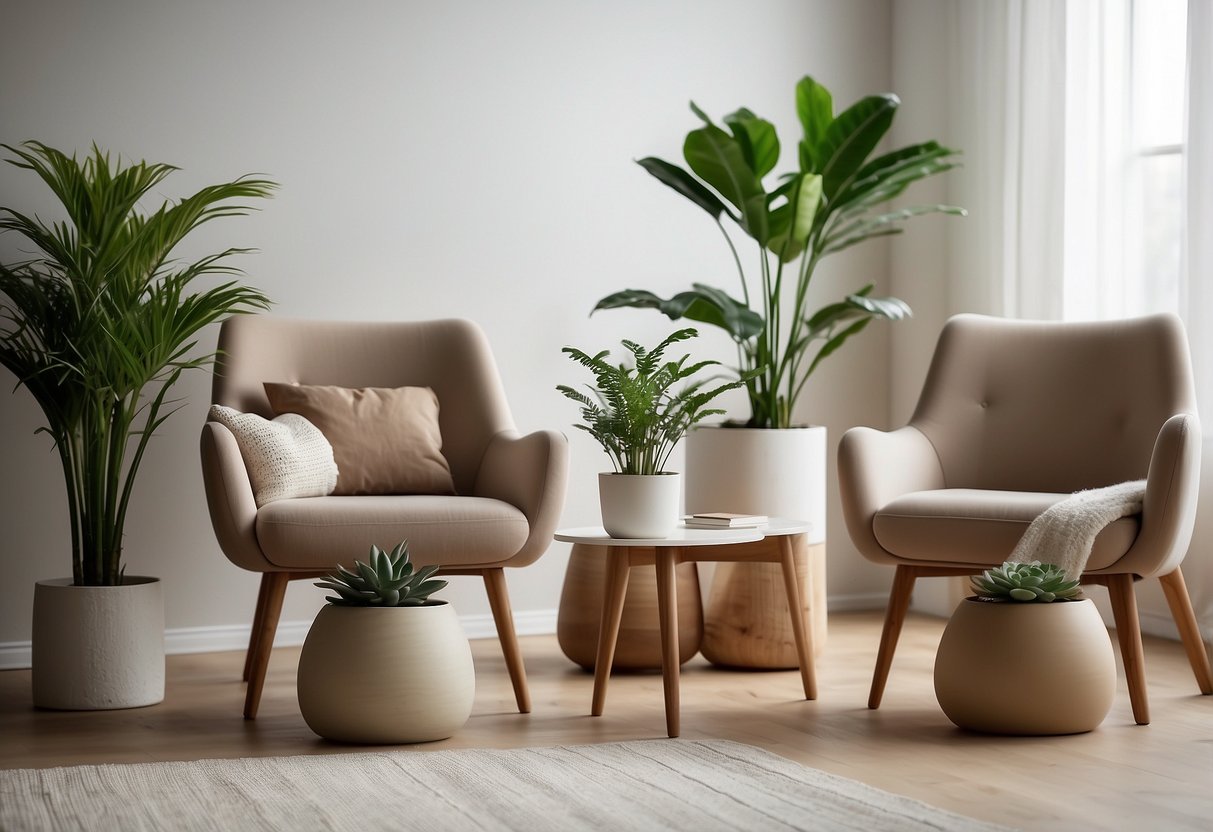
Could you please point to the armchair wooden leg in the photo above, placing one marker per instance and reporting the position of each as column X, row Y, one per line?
column 274, row 586
column 258, row 619
column 1180, row 602
column 1128, row 632
column 895, row 616
column 499, row 601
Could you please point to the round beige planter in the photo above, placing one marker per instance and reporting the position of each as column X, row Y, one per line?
column 98, row 647
column 639, row 505
column 386, row 674
column 1024, row 668
column 779, row 473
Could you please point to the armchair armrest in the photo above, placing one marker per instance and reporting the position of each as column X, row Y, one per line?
column 1168, row 511
column 529, row 472
column 229, row 496
column 875, row 467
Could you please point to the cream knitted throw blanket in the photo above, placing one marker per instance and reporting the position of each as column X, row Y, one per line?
column 1065, row 532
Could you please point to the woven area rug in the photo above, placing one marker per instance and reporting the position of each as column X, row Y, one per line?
column 645, row 785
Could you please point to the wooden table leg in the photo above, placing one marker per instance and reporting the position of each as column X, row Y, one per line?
column 667, row 610
column 804, row 642
column 618, row 566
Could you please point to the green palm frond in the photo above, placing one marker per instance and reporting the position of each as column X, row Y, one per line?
column 101, row 323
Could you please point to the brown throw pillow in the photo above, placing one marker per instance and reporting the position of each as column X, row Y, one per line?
column 385, row 440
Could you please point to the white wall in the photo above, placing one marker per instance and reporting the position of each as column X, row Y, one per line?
column 437, row 159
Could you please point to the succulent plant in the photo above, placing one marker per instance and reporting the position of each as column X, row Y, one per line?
column 389, row 580
column 1026, row 582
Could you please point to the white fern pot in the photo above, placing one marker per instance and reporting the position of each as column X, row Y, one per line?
column 98, row 647
column 639, row 505
column 386, row 675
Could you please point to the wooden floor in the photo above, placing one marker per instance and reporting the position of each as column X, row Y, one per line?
column 1121, row 776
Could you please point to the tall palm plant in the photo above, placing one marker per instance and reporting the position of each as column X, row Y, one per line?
column 101, row 323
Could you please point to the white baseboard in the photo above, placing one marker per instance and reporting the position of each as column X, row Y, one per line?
column 15, row 655
column 857, row 601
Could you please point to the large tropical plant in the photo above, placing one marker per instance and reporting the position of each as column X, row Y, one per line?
column 835, row 200
column 101, row 323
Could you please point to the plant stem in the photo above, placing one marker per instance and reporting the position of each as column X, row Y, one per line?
column 745, row 289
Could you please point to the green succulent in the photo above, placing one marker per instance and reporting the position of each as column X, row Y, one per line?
column 1026, row 582
column 389, row 580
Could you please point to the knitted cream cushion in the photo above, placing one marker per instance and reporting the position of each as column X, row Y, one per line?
column 286, row 457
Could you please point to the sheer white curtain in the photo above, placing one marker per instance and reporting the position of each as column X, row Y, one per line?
column 1196, row 285
column 1042, row 104
column 1008, row 114
column 1099, row 183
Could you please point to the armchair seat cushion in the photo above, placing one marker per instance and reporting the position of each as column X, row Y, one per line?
column 978, row 526
column 320, row 532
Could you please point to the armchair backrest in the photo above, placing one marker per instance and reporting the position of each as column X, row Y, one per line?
column 1050, row 406
column 450, row 356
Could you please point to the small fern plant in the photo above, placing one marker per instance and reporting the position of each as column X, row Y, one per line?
column 389, row 580
column 634, row 412
column 1027, row 582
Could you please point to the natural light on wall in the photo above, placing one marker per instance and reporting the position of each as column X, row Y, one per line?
column 1124, row 194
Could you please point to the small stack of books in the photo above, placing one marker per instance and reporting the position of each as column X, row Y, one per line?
column 725, row 520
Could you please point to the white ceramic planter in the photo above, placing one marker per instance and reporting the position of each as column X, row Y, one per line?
column 1025, row 668
column 98, row 647
column 639, row 505
column 386, row 674
column 780, row 473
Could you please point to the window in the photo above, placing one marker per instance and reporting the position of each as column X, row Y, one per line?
column 1124, row 167
column 1154, row 222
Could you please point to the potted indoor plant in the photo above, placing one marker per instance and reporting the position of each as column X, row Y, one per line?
column 1027, row 654
column 638, row 417
column 98, row 325
column 383, row 662
column 834, row 199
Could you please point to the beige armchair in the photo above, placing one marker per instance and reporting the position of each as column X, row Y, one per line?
column 1014, row 416
column 510, row 487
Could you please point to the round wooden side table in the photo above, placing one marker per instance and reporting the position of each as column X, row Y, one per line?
column 769, row 544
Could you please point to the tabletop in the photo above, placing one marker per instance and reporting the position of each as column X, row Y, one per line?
column 683, row 536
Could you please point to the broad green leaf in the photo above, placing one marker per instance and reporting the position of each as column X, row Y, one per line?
column 792, row 222
column 815, row 108
column 758, row 139
column 853, row 306
column 703, row 303
column 849, row 139
column 685, row 184
column 717, row 158
column 874, row 185
column 883, row 224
